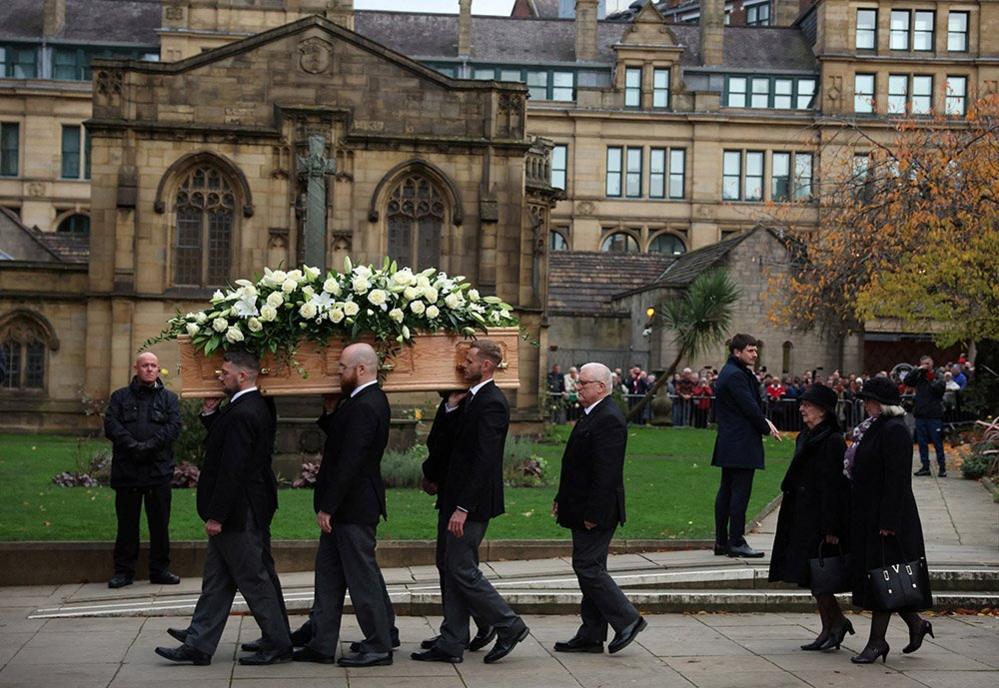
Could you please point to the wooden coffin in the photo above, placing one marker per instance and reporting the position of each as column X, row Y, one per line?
column 429, row 364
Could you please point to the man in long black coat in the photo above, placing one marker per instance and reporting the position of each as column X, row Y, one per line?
column 237, row 498
column 472, row 494
column 738, row 445
column 590, row 502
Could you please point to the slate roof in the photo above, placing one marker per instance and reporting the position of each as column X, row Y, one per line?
column 584, row 282
column 70, row 248
column 109, row 22
column 21, row 242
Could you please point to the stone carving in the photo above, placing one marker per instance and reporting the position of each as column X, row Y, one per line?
column 835, row 89
column 109, row 83
column 585, row 208
column 312, row 169
column 174, row 13
column 316, row 55
column 36, row 189
column 511, row 103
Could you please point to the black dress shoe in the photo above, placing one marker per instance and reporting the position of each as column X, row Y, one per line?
column 164, row 578
column 435, row 654
column 359, row 646
column 721, row 550
column 119, row 580
column 366, row 659
column 744, row 551
column 922, row 473
column 185, row 654
column 816, row 644
column 482, row 639
column 504, row 646
column 253, row 646
column 429, row 642
column 577, row 644
column 307, row 654
column 871, row 654
column 836, row 637
column 627, row 634
column 261, row 658
column 179, row 634
column 916, row 639
column 302, row 635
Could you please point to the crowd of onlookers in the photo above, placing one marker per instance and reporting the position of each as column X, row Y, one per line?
column 692, row 392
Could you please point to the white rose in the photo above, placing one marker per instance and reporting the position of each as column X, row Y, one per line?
column 310, row 273
column 362, row 271
column 218, row 296
column 289, row 285
column 360, row 284
column 192, row 329
column 433, row 312
column 200, row 318
column 308, row 310
column 220, row 325
column 254, row 324
column 473, row 294
column 378, row 297
column 410, row 293
column 351, row 309
column 430, row 294
column 308, row 291
column 268, row 313
column 331, row 286
column 278, row 276
column 296, row 275
column 233, row 335
column 275, row 299
column 417, row 307
column 336, row 315
column 403, row 277
column 452, row 300
column 397, row 315
column 422, row 282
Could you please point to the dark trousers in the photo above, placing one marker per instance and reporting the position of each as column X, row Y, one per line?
column 603, row 602
column 468, row 593
column 442, row 519
column 346, row 560
column 930, row 430
column 128, row 509
column 235, row 561
column 731, row 504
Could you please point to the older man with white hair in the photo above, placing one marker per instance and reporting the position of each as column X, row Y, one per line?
column 590, row 502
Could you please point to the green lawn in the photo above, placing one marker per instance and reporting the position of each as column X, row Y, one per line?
column 670, row 488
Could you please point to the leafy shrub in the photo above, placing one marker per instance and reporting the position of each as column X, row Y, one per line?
column 185, row 475
column 188, row 446
column 975, row 466
column 307, row 475
column 96, row 472
column 404, row 468
column 521, row 467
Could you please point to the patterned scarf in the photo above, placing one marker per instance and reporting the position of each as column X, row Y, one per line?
column 855, row 436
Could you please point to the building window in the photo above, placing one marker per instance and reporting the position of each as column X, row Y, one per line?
column 633, row 87
column 560, row 165
column 898, row 93
column 614, row 160
column 863, row 93
column 537, row 85
column 922, row 31
column 619, row 242
column 484, row 74
column 677, row 167
column 75, row 161
column 867, row 29
column 736, row 91
column 557, row 242
column 957, row 32
column 780, row 176
column 956, row 98
column 415, row 216
column 10, row 143
column 922, row 95
column 22, row 356
column 786, row 349
column 660, row 88
column 18, row 62
column 731, row 175
column 783, row 94
column 666, row 164
column 758, row 15
column 203, row 237
column 670, row 244
column 563, row 86
column 806, row 93
column 633, row 180
column 77, row 223
column 802, row 176
column 657, row 173
column 899, row 36
column 753, row 188
column 760, row 97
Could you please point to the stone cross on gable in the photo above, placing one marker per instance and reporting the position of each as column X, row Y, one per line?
column 313, row 168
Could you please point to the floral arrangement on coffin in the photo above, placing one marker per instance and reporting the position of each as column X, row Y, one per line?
column 284, row 307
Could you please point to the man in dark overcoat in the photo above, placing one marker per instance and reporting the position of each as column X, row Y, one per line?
column 590, row 502
column 738, row 445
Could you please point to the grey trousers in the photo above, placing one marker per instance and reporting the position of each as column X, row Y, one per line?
column 603, row 602
column 468, row 593
column 442, row 520
column 346, row 560
column 236, row 561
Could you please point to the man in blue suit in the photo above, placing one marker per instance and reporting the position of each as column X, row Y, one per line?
column 739, row 444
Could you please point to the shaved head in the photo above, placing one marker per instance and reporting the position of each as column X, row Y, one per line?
column 358, row 366
column 147, row 367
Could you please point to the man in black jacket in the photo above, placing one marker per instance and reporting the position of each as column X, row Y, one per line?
column 237, row 498
column 590, row 502
column 349, row 499
column 471, row 495
column 143, row 422
column 928, row 408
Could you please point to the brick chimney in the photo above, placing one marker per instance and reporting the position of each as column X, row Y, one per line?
column 586, row 30
column 464, row 28
column 712, row 26
column 54, row 16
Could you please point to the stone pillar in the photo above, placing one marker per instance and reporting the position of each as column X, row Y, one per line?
column 586, row 30
column 785, row 12
column 712, row 26
column 464, row 28
column 54, row 16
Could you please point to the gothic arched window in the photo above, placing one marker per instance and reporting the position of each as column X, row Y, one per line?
column 204, row 230
column 415, row 218
column 23, row 344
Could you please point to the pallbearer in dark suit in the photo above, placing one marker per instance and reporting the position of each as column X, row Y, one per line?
column 349, row 500
column 237, row 498
column 471, row 495
column 590, row 502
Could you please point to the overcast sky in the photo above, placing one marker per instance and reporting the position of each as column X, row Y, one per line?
column 500, row 7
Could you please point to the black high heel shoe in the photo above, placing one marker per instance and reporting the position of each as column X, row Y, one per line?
column 817, row 643
column 870, row 655
column 916, row 639
column 836, row 636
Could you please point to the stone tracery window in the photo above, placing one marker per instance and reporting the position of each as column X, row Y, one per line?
column 22, row 355
column 204, row 230
column 416, row 215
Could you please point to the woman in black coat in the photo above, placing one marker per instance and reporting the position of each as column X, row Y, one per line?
column 884, row 520
column 815, row 507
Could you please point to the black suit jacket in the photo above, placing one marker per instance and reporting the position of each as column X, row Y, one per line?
column 440, row 441
column 237, row 471
column 349, row 486
column 474, row 479
column 591, row 486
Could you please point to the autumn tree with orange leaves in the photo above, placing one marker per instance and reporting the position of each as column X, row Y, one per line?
column 910, row 230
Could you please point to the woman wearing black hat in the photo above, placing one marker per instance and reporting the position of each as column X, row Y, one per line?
column 884, row 521
column 815, row 508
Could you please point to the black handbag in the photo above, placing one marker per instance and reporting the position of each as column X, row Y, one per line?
column 829, row 575
column 898, row 586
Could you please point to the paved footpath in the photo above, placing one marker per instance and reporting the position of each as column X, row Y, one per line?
column 66, row 637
